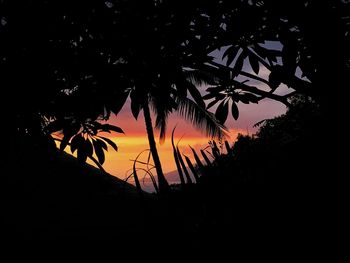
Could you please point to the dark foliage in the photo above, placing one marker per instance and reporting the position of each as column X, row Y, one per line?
column 283, row 152
column 81, row 61
column 66, row 66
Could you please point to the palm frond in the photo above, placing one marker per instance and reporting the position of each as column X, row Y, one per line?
column 161, row 124
column 162, row 112
column 202, row 119
column 200, row 78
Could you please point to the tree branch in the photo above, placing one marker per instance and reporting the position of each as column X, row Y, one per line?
column 261, row 60
column 246, row 74
column 243, row 73
column 262, row 93
column 299, row 85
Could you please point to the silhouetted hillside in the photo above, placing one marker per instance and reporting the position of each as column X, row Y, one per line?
column 50, row 195
column 60, row 175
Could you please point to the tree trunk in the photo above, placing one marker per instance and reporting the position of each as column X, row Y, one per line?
column 162, row 182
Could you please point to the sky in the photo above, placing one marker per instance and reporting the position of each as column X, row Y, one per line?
column 135, row 139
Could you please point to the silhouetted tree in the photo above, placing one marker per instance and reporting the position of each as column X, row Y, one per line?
column 281, row 158
column 90, row 59
column 162, row 74
column 75, row 63
column 297, row 54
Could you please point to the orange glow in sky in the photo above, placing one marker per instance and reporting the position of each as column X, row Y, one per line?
column 135, row 139
column 118, row 163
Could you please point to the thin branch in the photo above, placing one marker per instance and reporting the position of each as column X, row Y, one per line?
column 246, row 74
column 243, row 73
column 262, row 93
column 252, row 89
column 261, row 60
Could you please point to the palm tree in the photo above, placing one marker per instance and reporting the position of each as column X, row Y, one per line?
column 157, row 59
column 165, row 99
column 162, row 182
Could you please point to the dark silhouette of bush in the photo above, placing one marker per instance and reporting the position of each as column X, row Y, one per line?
column 284, row 153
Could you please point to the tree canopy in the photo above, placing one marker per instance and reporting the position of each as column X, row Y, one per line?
column 67, row 65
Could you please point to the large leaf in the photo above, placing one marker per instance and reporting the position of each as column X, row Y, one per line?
column 270, row 54
column 237, row 68
column 218, row 96
column 88, row 147
column 76, row 142
column 231, row 54
column 228, row 51
column 254, row 63
column 109, row 127
column 68, row 132
column 110, row 142
column 119, row 102
column 222, row 112
column 99, row 151
column 82, row 153
column 216, row 89
column 135, row 109
column 64, row 143
column 234, row 110
column 135, row 104
column 212, row 103
column 54, row 126
column 102, row 144
column 196, row 95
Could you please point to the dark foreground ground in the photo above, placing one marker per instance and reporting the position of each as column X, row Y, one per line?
column 68, row 202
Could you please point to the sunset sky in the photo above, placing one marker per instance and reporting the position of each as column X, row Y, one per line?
column 135, row 139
